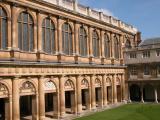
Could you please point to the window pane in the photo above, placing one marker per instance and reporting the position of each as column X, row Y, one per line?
column 43, row 39
column 4, row 34
column 25, row 37
column 25, row 17
column 20, row 36
column 53, row 41
column 48, row 48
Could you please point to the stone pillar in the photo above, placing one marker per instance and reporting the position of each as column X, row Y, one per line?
column 13, row 28
column 114, row 89
column 102, row 44
column 59, row 27
column 112, row 41
column 41, row 98
column 9, row 34
column 142, row 100
column 62, row 96
column 56, row 38
column 76, row 26
column 155, row 94
column 15, row 99
column 104, row 88
column 129, row 97
column 56, row 112
column 39, row 33
column 93, row 103
column 35, row 37
column 34, row 103
column 123, row 87
column 10, row 107
column 79, row 95
column 90, row 42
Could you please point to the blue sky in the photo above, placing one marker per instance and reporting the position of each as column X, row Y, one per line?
column 143, row 14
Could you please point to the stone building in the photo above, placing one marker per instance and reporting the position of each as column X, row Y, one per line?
column 144, row 71
column 59, row 57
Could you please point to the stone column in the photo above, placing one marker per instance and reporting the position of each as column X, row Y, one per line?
column 114, row 89
column 9, row 34
column 59, row 27
column 13, row 28
column 155, row 94
column 112, row 41
column 121, row 41
column 90, row 41
column 15, row 99
column 142, row 100
column 39, row 33
column 35, row 37
column 34, row 103
column 56, row 37
column 79, row 95
column 123, row 87
column 102, row 44
column 41, row 98
column 62, row 96
column 56, row 111
column 104, row 87
column 76, row 26
column 93, row 103
column 129, row 97
column 10, row 107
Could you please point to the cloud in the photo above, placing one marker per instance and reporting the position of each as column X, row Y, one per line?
column 105, row 11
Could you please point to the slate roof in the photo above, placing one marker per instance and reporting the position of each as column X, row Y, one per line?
column 151, row 41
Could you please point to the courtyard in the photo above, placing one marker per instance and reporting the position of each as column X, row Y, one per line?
column 128, row 112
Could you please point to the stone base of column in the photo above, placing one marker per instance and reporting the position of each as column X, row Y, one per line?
column 142, row 101
column 156, row 101
column 42, row 118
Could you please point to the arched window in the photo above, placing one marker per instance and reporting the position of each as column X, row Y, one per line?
column 95, row 40
column 107, row 46
column 3, row 29
column 116, row 47
column 48, row 36
column 67, row 43
column 25, row 32
column 82, row 42
column 128, row 44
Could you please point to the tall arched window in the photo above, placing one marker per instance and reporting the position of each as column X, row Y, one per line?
column 107, row 46
column 116, row 47
column 82, row 42
column 95, row 40
column 48, row 36
column 67, row 43
column 25, row 32
column 128, row 44
column 3, row 29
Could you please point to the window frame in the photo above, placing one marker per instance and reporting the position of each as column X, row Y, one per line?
column 107, row 46
column 146, row 70
column 146, row 54
column 30, row 36
column 95, row 44
column 51, row 34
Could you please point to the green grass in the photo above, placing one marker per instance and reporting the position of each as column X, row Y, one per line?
column 128, row 112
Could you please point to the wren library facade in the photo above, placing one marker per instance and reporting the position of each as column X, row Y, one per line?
column 59, row 57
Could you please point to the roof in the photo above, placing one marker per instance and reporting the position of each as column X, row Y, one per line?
column 151, row 41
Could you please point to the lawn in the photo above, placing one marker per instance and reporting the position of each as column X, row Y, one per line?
column 128, row 112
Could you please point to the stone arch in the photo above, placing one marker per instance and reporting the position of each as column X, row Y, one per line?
column 70, row 24
column 97, row 31
column 69, row 85
column 50, row 86
column 4, row 90
column 29, row 12
column 118, row 81
column 27, row 88
column 135, row 92
column 84, row 84
column 98, row 82
column 148, row 92
column 6, row 10
column 127, row 43
column 108, row 82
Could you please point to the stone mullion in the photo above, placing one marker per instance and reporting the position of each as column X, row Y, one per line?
column 90, row 42
column 56, row 38
column 35, row 37
column 112, row 41
column 15, row 99
column 60, row 50
column 41, row 98
column 121, row 48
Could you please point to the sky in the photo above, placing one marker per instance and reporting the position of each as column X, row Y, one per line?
column 142, row 14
